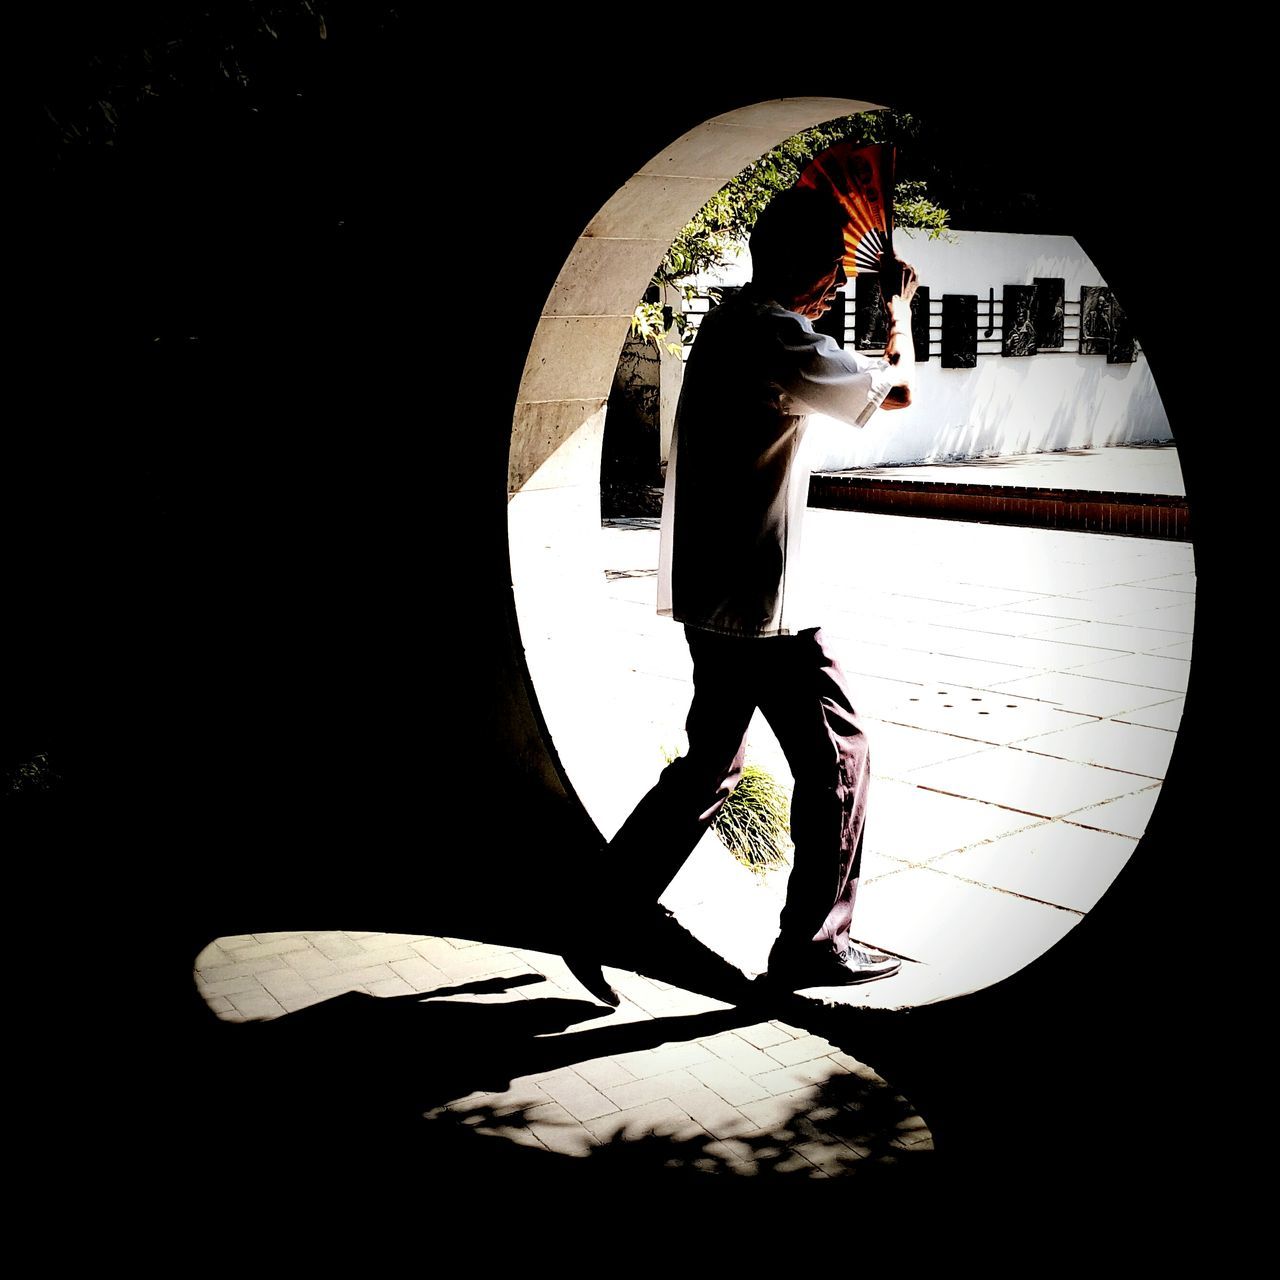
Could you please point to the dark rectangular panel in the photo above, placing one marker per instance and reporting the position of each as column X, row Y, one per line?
column 870, row 328
column 1095, row 320
column 1049, row 310
column 1018, row 326
column 1123, row 349
column 920, row 322
column 959, row 330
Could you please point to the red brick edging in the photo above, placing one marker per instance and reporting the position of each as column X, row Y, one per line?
column 1140, row 515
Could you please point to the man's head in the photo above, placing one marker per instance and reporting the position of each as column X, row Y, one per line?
column 797, row 250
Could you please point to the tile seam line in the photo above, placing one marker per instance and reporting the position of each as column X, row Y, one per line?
column 985, row 841
column 1088, row 764
column 945, row 733
column 1079, row 673
column 997, row 690
column 1106, row 831
column 1008, row 893
column 992, row 804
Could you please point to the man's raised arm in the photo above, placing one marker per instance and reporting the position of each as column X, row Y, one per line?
column 898, row 283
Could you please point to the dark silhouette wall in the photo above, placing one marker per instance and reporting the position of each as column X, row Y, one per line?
column 259, row 594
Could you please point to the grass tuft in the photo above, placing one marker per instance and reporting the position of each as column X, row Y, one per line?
column 755, row 822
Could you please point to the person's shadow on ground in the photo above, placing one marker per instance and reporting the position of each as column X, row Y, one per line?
column 358, row 1079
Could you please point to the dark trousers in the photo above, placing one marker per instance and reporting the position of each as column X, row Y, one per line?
column 799, row 687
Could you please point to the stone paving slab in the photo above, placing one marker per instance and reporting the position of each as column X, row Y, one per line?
column 1151, row 670
column 1053, row 862
column 962, row 930
column 1164, row 715
column 1111, row 744
column 1178, row 620
column 980, row 715
column 899, row 749
column 1112, row 636
column 1027, row 782
column 1019, row 620
column 1127, row 816
column 1085, row 695
column 917, row 825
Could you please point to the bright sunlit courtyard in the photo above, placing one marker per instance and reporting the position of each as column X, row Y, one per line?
column 1021, row 690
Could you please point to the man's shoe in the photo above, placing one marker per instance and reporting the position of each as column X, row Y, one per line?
column 833, row 969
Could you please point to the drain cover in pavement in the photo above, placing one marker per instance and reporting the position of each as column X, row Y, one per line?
column 981, row 714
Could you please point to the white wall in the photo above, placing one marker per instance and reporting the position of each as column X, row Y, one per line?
column 1055, row 400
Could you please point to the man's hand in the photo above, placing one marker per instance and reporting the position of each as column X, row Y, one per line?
column 900, row 346
column 897, row 280
column 898, row 284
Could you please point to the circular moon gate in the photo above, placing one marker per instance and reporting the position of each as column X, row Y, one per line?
column 575, row 660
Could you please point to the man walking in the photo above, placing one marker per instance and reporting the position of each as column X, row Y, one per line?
column 729, row 571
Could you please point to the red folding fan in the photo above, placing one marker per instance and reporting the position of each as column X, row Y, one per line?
column 860, row 176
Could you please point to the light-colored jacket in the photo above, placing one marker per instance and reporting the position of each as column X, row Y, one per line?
column 736, row 492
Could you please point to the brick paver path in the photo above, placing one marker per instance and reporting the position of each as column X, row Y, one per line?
column 730, row 1095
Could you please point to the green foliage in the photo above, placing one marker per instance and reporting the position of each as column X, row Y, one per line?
column 727, row 218
column 754, row 824
column 722, row 225
column 913, row 208
column 649, row 322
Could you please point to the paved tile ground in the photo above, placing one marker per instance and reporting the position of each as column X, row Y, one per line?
column 1021, row 690
column 748, row 1098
